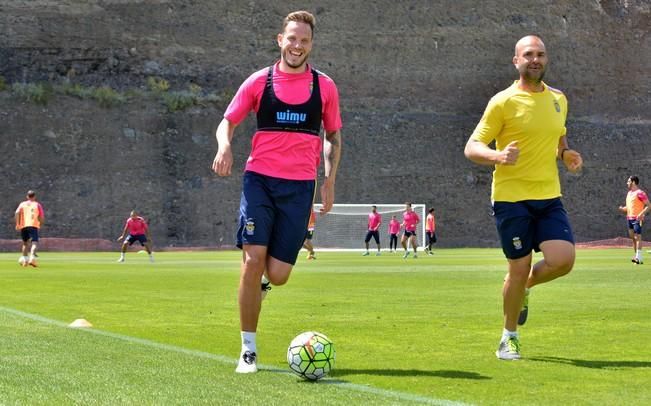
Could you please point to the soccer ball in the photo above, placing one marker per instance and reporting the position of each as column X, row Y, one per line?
column 311, row 355
column 22, row 261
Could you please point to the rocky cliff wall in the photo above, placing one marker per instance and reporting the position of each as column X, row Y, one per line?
column 414, row 78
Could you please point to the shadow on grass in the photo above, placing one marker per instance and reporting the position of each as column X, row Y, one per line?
column 451, row 374
column 596, row 364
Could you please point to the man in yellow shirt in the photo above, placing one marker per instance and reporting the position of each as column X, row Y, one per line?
column 637, row 205
column 29, row 218
column 527, row 123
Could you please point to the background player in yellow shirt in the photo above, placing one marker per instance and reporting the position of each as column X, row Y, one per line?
column 29, row 218
column 527, row 123
column 637, row 205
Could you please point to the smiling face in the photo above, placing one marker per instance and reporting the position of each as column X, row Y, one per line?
column 530, row 60
column 295, row 44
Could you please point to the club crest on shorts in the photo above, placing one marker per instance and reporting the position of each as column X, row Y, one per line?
column 517, row 244
column 249, row 227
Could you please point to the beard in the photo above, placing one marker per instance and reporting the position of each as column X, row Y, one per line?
column 294, row 65
column 532, row 77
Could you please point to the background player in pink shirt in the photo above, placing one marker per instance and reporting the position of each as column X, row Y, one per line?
column 29, row 218
column 410, row 220
column 374, row 222
column 637, row 205
column 135, row 229
column 394, row 229
column 291, row 100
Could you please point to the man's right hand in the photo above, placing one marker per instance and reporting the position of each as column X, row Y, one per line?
column 223, row 162
column 509, row 155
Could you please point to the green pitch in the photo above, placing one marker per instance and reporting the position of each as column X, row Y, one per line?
column 415, row 331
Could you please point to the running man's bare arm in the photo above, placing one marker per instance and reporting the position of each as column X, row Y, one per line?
column 331, row 155
column 482, row 154
column 223, row 161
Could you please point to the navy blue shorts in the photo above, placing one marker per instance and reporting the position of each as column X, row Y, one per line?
column 274, row 212
column 372, row 234
column 634, row 225
column 141, row 238
column 29, row 233
column 408, row 234
column 523, row 226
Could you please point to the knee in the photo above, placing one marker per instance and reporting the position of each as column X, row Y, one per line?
column 277, row 280
column 278, row 273
column 563, row 266
column 253, row 267
column 517, row 278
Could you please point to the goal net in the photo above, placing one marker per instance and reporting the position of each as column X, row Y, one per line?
column 345, row 226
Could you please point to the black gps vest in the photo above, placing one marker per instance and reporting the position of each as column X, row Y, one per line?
column 276, row 115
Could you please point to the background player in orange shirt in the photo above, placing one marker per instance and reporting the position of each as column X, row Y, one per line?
column 29, row 219
column 637, row 205
column 430, row 231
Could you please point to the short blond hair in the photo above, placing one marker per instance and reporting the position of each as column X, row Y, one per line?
column 300, row 16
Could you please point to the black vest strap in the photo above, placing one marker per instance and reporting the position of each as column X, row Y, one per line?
column 276, row 115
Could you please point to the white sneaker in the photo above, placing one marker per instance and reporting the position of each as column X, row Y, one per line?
column 406, row 254
column 247, row 363
column 509, row 349
column 120, row 260
column 365, row 254
column 151, row 259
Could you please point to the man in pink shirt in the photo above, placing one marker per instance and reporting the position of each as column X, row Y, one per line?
column 410, row 220
column 394, row 229
column 135, row 229
column 637, row 206
column 374, row 222
column 291, row 101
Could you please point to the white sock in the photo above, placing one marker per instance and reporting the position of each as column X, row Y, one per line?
column 122, row 255
column 248, row 341
column 508, row 334
column 264, row 280
column 638, row 254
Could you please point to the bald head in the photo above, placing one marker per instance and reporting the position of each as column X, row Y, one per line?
column 530, row 60
column 528, row 41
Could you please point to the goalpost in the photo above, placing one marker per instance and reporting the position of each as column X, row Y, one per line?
column 345, row 226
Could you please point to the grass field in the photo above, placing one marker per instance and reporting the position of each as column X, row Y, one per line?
column 416, row 331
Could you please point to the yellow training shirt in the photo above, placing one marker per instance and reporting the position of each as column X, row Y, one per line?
column 536, row 121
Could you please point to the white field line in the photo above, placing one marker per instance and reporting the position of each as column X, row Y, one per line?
column 232, row 361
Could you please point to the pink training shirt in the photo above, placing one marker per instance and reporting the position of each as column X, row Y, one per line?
column 136, row 226
column 410, row 219
column 394, row 227
column 285, row 155
column 374, row 221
